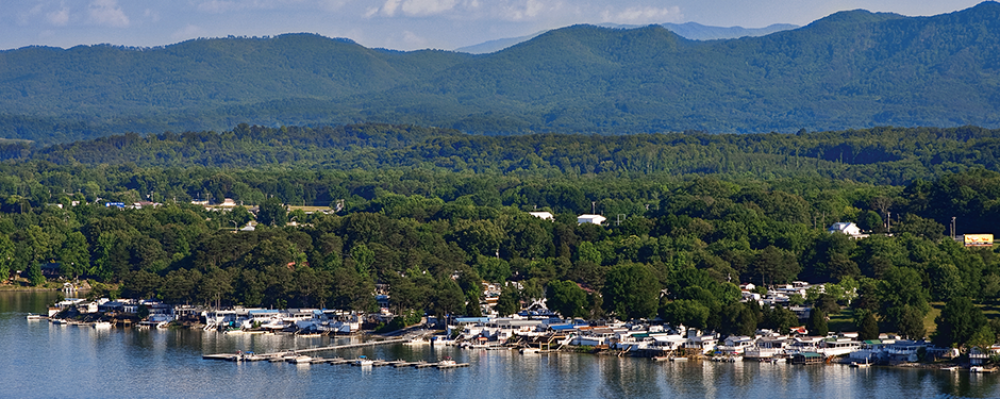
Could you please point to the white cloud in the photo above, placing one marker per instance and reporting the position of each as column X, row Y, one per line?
column 58, row 17
column 642, row 15
column 332, row 5
column 25, row 17
column 187, row 32
column 389, row 8
column 413, row 40
column 225, row 6
column 107, row 12
column 427, row 7
column 219, row 6
column 462, row 9
column 152, row 14
column 523, row 11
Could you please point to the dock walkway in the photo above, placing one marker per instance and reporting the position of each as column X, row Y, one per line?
column 277, row 356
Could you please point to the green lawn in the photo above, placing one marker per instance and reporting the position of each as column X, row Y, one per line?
column 929, row 325
column 843, row 321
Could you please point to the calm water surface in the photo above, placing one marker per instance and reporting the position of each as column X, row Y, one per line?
column 47, row 361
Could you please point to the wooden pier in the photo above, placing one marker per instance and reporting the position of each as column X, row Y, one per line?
column 256, row 357
column 295, row 356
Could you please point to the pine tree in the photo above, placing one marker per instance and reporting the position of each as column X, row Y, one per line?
column 817, row 323
column 869, row 327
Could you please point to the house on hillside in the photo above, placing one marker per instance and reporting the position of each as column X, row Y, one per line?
column 543, row 215
column 848, row 228
column 594, row 219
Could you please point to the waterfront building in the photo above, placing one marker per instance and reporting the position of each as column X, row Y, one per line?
column 736, row 344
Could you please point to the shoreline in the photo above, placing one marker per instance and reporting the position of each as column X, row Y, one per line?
column 11, row 288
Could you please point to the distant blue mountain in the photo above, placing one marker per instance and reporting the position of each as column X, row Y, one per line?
column 687, row 30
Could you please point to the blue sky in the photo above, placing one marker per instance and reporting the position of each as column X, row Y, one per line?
column 395, row 24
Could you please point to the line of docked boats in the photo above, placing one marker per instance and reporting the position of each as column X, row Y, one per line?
column 99, row 325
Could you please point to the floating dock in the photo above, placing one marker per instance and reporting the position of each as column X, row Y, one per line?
column 297, row 355
column 277, row 356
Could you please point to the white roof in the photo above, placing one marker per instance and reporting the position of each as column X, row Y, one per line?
column 842, row 226
column 542, row 215
column 591, row 219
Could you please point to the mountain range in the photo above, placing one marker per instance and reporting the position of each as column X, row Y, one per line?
column 687, row 30
column 852, row 69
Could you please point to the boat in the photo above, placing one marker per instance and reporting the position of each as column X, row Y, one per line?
column 234, row 331
column 102, row 325
column 302, row 360
column 859, row 365
column 363, row 361
column 678, row 359
column 163, row 325
column 660, row 358
column 529, row 351
column 447, row 362
column 980, row 370
column 32, row 316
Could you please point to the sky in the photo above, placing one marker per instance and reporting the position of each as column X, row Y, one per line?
column 393, row 24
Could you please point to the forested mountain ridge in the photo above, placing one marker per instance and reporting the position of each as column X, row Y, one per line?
column 113, row 80
column 884, row 155
column 689, row 30
column 852, row 69
column 89, row 91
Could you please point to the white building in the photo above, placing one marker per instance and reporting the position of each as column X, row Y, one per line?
column 848, row 228
column 595, row 219
column 543, row 215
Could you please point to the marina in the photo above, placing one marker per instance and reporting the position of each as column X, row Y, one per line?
column 169, row 363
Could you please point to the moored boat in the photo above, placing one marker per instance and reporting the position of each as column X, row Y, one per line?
column 302, row 360
column 447, row 362
column 363, row 361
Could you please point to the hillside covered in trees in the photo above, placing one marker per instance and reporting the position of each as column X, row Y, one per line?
column 432, row 213
column 850, row 70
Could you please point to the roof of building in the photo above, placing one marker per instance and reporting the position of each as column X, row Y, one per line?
column 466, row 320
column 562, row 327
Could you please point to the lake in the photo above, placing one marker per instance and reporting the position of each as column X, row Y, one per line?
column 41, row 360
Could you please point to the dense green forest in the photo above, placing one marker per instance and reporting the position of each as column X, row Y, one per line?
column 432, row 213
column 849, row 70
